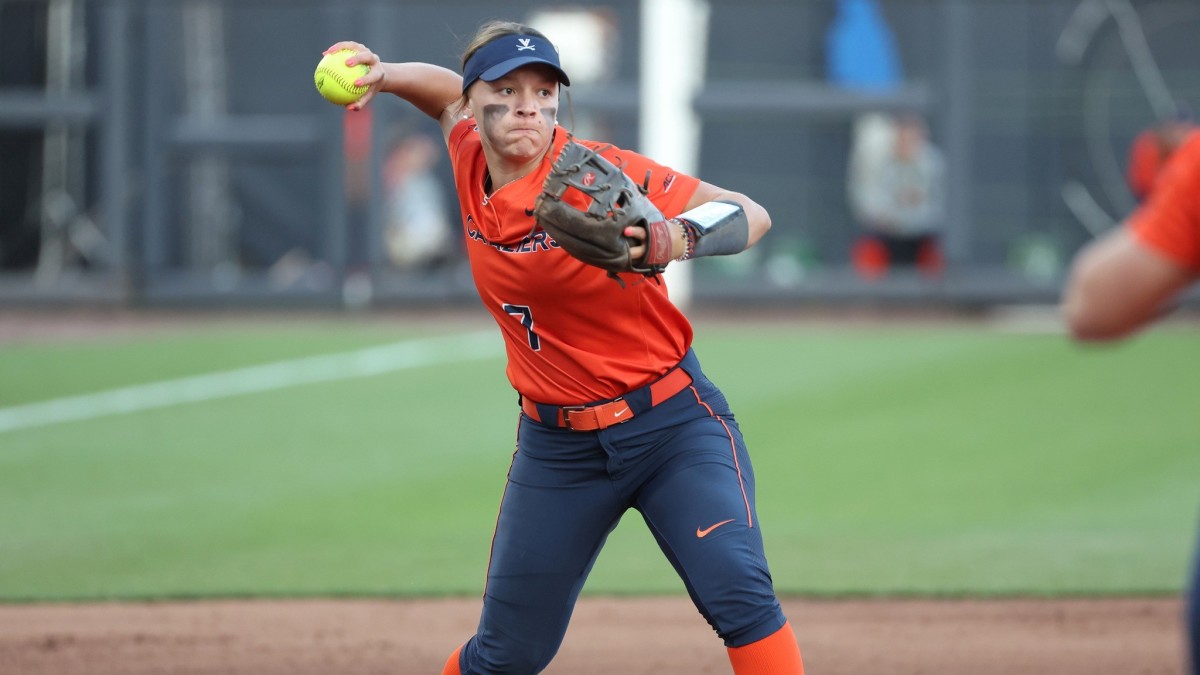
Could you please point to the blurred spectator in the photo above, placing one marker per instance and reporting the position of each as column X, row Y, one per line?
column 896, row 186
column 1151, row 148
column 416, row 229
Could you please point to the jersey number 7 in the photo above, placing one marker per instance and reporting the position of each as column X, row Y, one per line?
column 526, row 316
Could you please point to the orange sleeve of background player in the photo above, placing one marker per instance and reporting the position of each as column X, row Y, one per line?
column 1169, row 222
column 1145, row 156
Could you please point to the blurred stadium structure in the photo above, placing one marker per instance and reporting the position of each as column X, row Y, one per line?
column 159, row 152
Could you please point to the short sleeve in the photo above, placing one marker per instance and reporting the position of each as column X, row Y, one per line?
column 1169, row 222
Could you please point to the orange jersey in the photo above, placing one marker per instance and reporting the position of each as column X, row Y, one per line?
column 573, row 335
column 1169, row 222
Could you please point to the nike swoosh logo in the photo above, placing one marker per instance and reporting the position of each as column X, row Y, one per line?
column 704, row 533
column 618, row 414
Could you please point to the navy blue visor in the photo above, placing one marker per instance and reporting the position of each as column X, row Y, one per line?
column 505, row 54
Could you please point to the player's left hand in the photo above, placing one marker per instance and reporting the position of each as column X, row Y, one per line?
column 621, row 230
column 636, row 234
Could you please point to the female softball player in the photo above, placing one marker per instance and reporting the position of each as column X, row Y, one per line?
column 616, row 412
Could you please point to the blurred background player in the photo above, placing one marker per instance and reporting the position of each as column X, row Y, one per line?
column 616, row 410
column 1130, row 277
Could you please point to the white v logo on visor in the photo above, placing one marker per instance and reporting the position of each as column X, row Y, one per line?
column 525, row 45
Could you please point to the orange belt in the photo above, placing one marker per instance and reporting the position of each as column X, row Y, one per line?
column 604, row 415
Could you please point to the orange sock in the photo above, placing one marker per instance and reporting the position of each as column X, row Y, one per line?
column 776, row 654
column 452, row 664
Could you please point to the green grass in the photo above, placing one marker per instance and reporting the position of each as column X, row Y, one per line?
column 890, row 460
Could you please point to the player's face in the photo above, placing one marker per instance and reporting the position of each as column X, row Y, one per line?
column 516, row 113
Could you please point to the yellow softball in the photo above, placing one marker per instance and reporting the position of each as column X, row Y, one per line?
column 335, row 80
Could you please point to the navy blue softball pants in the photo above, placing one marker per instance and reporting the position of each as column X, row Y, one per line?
column 683, row 465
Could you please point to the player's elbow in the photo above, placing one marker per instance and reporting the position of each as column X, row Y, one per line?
column 1084, row 326
column 766, row 222
column 1089, row 319
column 759, row 222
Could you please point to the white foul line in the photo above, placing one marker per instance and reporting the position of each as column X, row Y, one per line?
column 255, row 379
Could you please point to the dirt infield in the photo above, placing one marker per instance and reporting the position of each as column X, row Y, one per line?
column 662, row 636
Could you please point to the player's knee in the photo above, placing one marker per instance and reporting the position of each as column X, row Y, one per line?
column 743, row 625
column 744, row 610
